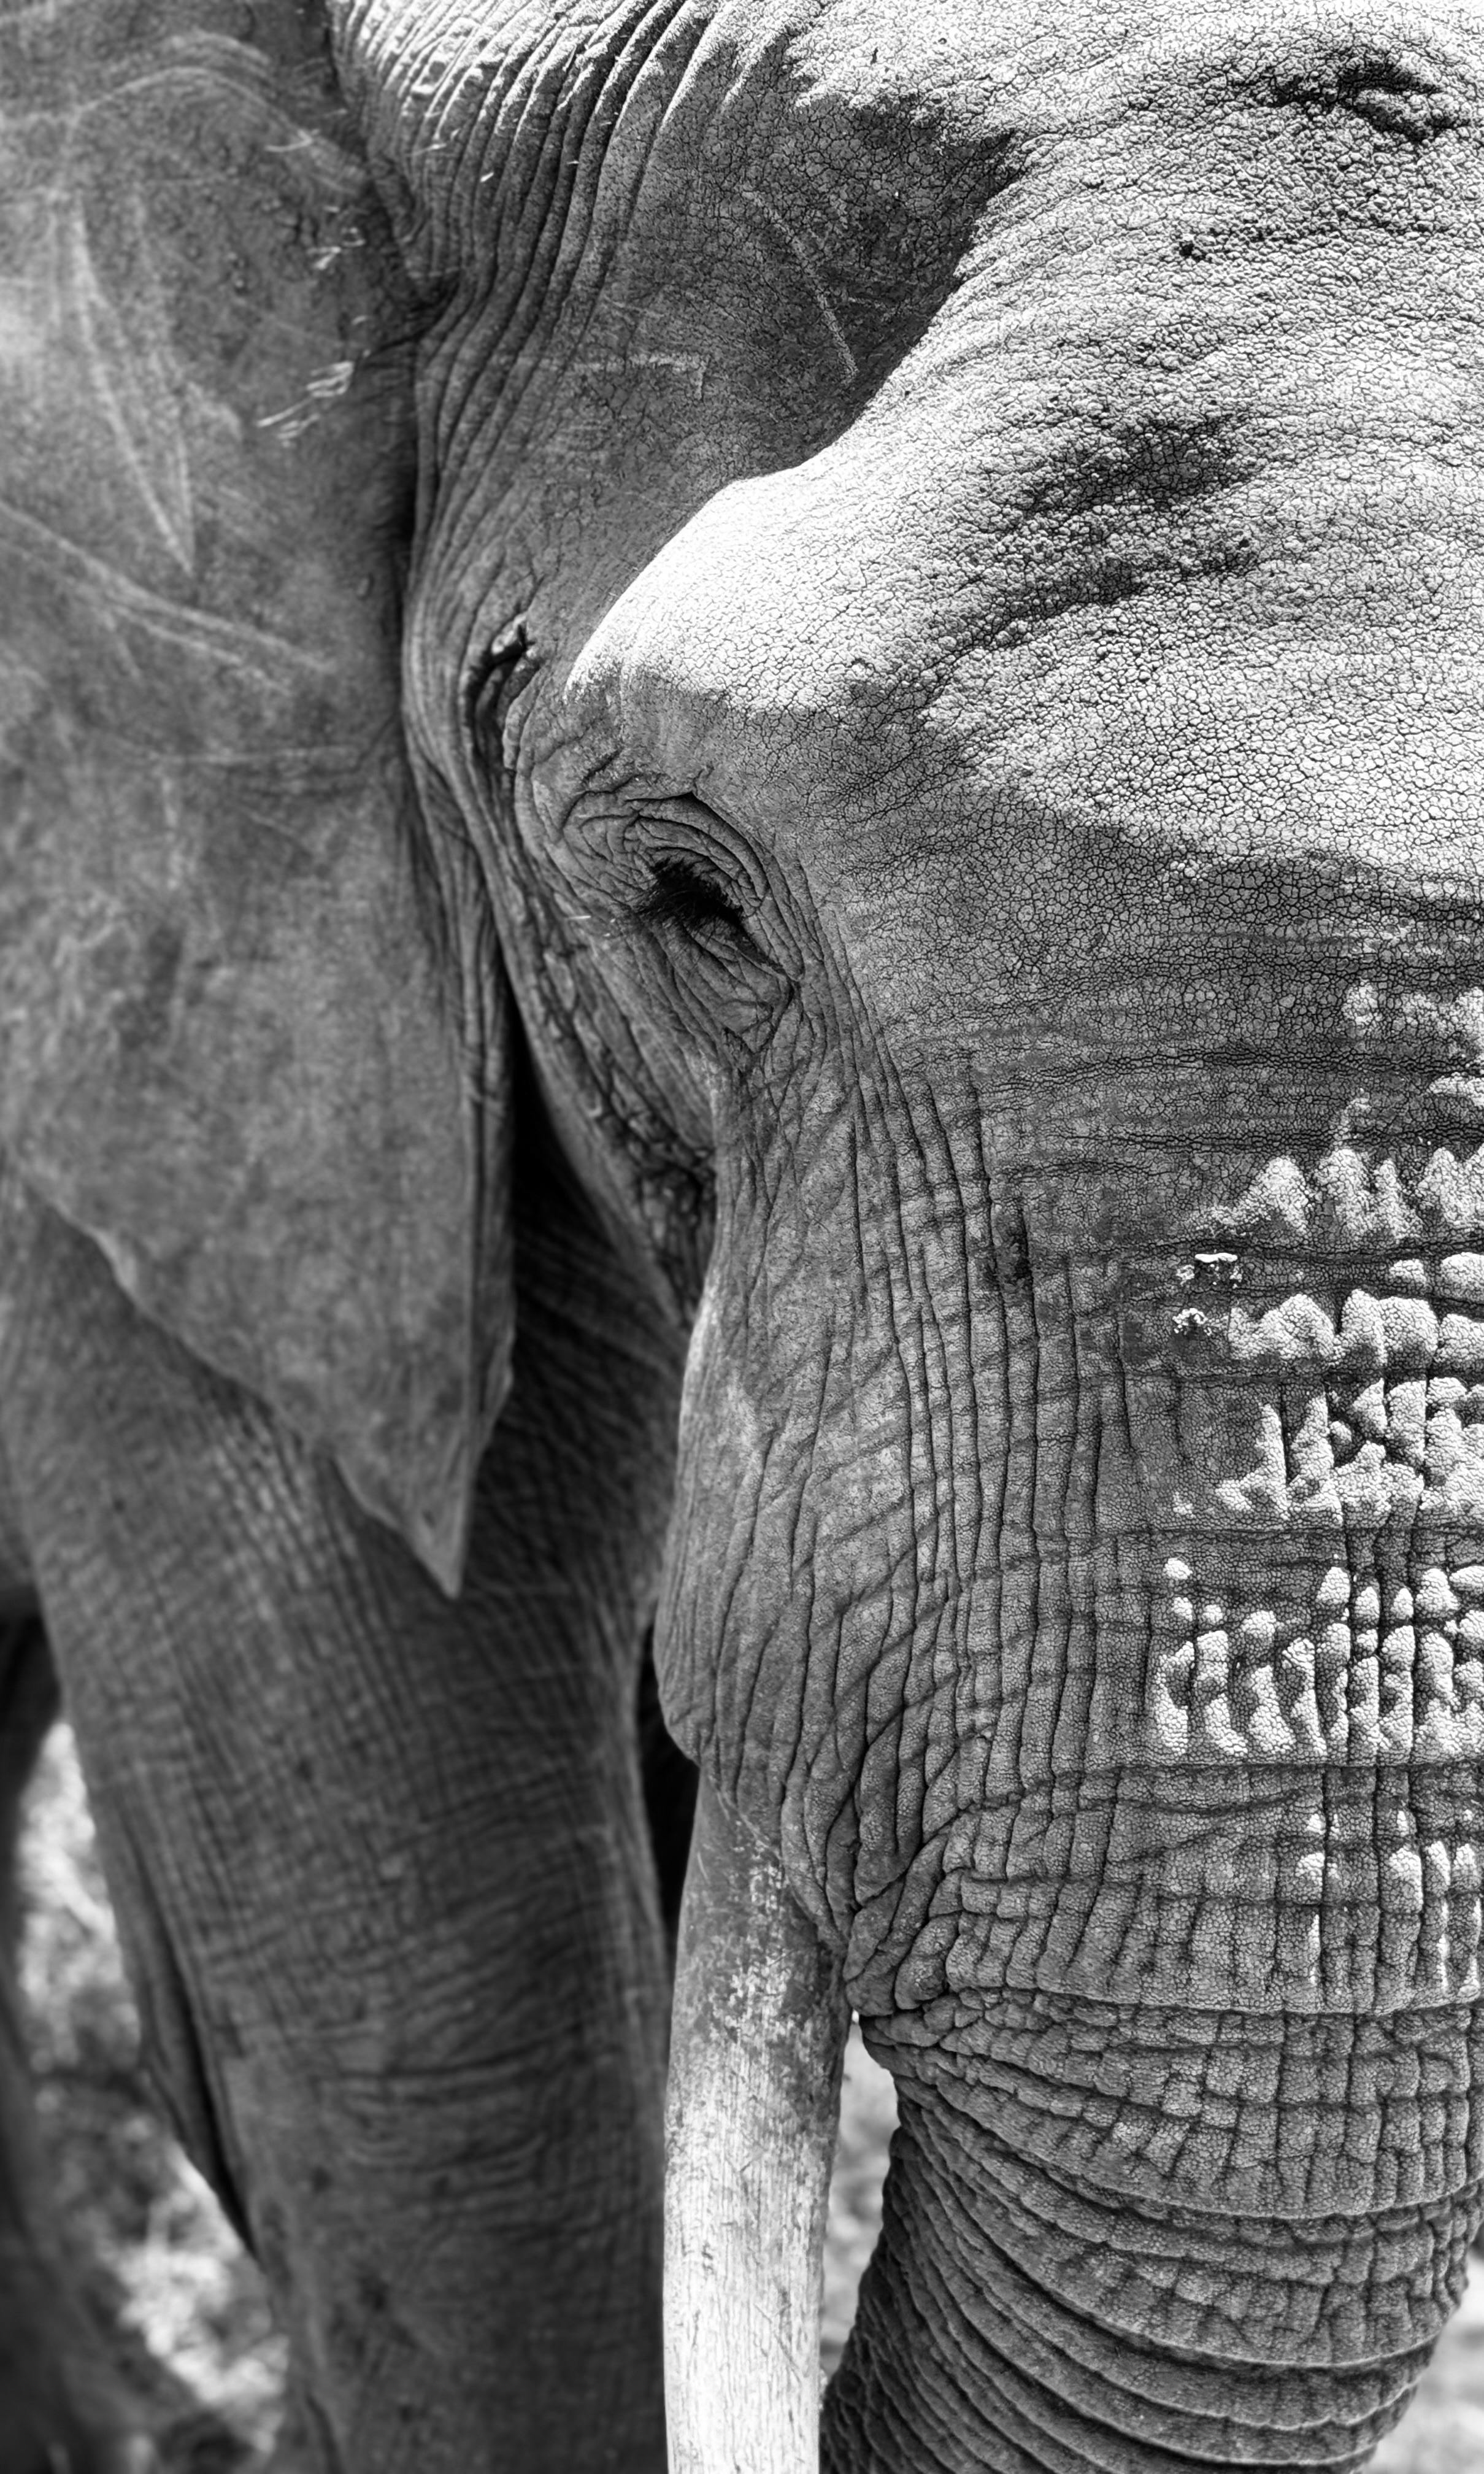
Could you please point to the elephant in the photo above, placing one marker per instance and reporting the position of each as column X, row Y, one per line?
column 744, row 902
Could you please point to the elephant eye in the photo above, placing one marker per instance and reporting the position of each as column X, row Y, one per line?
column 716, row 967
column 680, row 896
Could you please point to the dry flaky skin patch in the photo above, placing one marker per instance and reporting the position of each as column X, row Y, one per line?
column 166, row 2268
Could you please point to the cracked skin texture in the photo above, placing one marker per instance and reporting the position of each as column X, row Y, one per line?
column 946, row 614
column 1081, row 1504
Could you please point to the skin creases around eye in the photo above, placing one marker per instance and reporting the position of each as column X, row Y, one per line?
column 695, row 872
column 703, row 907
column 691, row 883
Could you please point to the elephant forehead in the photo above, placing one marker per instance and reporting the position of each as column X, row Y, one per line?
column 1126, row 449
column 1041, row 694
column 470, row 93
column 710, row 243
column 611, row 119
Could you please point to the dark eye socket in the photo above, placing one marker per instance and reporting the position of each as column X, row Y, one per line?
column 681, row 897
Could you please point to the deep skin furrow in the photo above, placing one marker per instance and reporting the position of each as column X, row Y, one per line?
column 1054, row 2370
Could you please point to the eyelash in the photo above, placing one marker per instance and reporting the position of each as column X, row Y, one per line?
column 681, row 897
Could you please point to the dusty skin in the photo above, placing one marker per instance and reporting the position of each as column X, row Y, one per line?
column 742, row 974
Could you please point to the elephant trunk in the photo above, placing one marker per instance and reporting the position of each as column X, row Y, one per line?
column 1026, row 2312
column 1181, row 1997
column 755, row 2063
column 1126, row 1701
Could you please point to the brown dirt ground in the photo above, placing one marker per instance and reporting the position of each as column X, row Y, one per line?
column 191, row 2324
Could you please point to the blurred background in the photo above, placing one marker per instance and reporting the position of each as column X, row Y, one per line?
column 183, row 2303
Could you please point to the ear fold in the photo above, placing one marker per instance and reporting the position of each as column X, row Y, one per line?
column 246, row 1039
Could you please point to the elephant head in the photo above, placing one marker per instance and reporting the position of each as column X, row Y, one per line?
column 941, row 659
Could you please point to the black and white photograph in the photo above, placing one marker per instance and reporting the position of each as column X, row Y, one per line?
column 741, row 1236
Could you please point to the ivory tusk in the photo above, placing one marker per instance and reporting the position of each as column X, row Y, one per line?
column 756, row 2050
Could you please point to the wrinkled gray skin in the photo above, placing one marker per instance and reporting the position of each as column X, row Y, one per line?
column 791, row 691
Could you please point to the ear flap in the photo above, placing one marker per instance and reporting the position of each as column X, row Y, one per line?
column 246, row 1039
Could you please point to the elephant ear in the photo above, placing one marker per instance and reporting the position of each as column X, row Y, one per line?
column 249, row 1040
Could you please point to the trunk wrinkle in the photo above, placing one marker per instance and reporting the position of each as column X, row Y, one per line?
column 1067, row 2343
